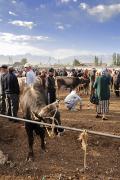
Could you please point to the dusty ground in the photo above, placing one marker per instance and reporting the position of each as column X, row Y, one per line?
column 64, row 159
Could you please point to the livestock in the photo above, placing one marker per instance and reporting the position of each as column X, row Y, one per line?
column 22, row 83
column 68, row 82
column 71, row 82
column 85, row 86
column 32, row 101
column 116, row 82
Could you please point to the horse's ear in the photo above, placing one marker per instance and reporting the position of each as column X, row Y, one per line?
column 56, row 103
column 57, row 100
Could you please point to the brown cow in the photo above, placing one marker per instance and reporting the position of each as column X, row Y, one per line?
column 70, row 82
column 32, row 101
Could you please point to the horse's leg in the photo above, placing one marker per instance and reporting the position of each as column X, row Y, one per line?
column 42, row 137
column 58, row 122
column 41, row 132
column 29, row 131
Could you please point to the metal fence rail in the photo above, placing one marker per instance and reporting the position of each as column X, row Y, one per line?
column 64, row 127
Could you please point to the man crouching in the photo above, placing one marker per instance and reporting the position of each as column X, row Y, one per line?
column 72, row 100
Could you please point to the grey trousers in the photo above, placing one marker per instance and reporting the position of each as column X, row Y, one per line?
column 2, row 104
column 12, row 104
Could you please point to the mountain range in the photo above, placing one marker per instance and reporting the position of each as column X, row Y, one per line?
column 49, row 60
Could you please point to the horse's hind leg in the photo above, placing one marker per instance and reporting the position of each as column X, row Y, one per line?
column 29, row 131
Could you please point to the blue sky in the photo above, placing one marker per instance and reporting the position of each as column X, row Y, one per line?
column 59, row 28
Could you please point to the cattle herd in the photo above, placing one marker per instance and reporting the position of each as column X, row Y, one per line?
column 33, row 98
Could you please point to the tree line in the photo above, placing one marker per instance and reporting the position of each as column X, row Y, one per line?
column 116, row 59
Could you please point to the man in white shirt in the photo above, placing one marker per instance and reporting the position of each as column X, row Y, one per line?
column 72, row 100
column 30, row 75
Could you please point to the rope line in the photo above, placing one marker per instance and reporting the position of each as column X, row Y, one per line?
column 64, row 127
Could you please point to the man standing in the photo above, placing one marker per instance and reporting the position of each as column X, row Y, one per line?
column 3, row 71
column 50, row 85
column 92, row 80
column 12, row 90
column 30, row 75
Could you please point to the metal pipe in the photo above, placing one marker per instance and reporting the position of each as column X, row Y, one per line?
column 64, row 127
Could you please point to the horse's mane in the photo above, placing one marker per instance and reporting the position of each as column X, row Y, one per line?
column 38, row 84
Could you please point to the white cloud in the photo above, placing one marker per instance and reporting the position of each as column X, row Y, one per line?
column 1, row 20
column 23, row 23
column 60, row 27
column 13, row 1
column 67, row 1
column 15, row 48
column 64, row 1
column 11, row 44
column 83, row 6
column 102, row 12
column 9, row 37
column 12, row 13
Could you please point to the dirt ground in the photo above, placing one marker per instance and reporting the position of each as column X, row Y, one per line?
column 64, row 159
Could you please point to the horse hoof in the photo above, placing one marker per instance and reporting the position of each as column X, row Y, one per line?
column 44, row 151
column 30, row 157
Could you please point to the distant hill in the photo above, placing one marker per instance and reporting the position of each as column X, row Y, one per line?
column 33, row 59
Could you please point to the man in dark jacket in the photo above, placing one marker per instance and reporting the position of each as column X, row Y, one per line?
column 50, row 84
column 3, row 71
column 92, row 80
column 12, row 90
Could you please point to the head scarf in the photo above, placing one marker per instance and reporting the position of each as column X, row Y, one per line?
column 104, row 72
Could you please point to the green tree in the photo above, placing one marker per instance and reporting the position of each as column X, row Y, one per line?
column 96, row 61
column 100, row 63
column 76, row 62
column 16, row 64
column 23, row 61
column 118, row 60
column 114, row 59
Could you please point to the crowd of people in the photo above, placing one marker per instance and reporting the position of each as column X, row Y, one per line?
column 100, row 84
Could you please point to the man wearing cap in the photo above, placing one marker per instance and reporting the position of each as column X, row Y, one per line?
column 50, row 84
column 3, row 71
column 30, row 75
column 12, row 90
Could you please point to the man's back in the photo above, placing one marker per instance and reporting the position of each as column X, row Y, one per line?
column 30, row 77
column 11, row 85
column 72, row 97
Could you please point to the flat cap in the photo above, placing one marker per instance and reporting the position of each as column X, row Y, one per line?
column 51, row 70
column 27, row 65
column 4, row 66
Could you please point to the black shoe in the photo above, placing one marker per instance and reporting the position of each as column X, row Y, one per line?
column 98, row 116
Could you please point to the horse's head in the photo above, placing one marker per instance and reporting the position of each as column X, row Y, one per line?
column 50, row 114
